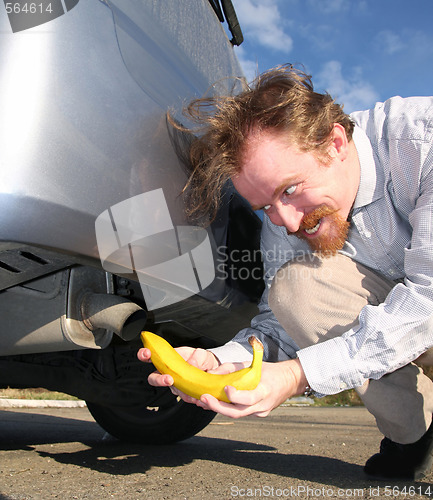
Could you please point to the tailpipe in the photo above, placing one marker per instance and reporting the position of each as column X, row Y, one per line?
column 111, row 312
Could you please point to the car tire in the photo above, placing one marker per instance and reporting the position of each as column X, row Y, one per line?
column 173, row 420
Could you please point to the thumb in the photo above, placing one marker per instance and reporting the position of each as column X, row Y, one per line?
column 226, row 368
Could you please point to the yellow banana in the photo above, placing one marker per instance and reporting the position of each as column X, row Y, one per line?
column 195, row 382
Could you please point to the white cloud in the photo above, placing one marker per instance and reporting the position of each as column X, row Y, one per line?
column 261, row 20
column 410, row 43
column 329, row 6
column 351, row 90
column 249, row 67
column 320, row 37
column 389, row 42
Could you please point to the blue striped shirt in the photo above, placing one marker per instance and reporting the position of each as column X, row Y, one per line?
column 391, row 232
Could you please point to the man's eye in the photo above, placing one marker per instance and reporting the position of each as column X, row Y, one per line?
column 290, row 190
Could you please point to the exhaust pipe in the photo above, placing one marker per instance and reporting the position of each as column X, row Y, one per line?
column 111, row 312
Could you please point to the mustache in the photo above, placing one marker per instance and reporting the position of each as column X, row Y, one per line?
column 311, row 219
column 328, row 243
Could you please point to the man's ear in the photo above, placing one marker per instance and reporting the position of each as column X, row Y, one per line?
column 339, row 146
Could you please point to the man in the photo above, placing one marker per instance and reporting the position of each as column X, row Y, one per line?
column 347, row 243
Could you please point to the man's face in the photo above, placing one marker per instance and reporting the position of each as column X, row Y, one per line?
column 295, row 190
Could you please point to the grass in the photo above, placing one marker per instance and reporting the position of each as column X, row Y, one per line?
column 351, row 398
column 37, row 393
column 345, row 398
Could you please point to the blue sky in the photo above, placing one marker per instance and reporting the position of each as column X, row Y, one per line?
column 360, row 51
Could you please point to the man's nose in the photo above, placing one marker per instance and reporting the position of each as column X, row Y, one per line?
column 288, row 216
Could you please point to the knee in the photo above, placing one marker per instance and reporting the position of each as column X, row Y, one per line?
column 292, row 285
column 314, row 299
column 291, row 301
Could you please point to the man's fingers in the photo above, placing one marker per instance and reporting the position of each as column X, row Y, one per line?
column 230, row 410
column 245, row 398
column 157, row 380
column 229, row 368
column 143, row 354
column 243, row 403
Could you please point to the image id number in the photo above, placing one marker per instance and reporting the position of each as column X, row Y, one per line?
column 407, row 491
column 27, row 8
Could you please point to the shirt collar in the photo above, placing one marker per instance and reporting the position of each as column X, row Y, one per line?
column 372, row 178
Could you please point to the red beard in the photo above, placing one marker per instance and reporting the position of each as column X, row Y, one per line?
column 329, row 243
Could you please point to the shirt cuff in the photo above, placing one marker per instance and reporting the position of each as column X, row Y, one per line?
column 329, row 368
column 232, row 352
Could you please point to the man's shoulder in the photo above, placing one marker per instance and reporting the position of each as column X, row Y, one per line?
column 408, row 118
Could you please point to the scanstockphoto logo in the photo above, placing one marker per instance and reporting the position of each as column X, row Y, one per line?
column 171, row 262
column 24, row 15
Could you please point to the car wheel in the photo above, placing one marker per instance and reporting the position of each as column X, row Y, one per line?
column 168, row 420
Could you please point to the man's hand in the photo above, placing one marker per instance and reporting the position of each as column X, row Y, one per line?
column 279, row 381
column 200, row 358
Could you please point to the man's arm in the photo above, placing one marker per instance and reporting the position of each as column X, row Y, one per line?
column 399, row 330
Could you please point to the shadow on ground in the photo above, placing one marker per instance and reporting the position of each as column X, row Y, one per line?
column 102, row 453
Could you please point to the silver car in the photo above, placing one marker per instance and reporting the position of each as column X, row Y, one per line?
column 94, row 243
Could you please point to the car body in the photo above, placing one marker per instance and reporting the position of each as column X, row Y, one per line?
column 92, row 223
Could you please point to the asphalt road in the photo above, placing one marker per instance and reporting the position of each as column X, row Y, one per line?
column 297, row 452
